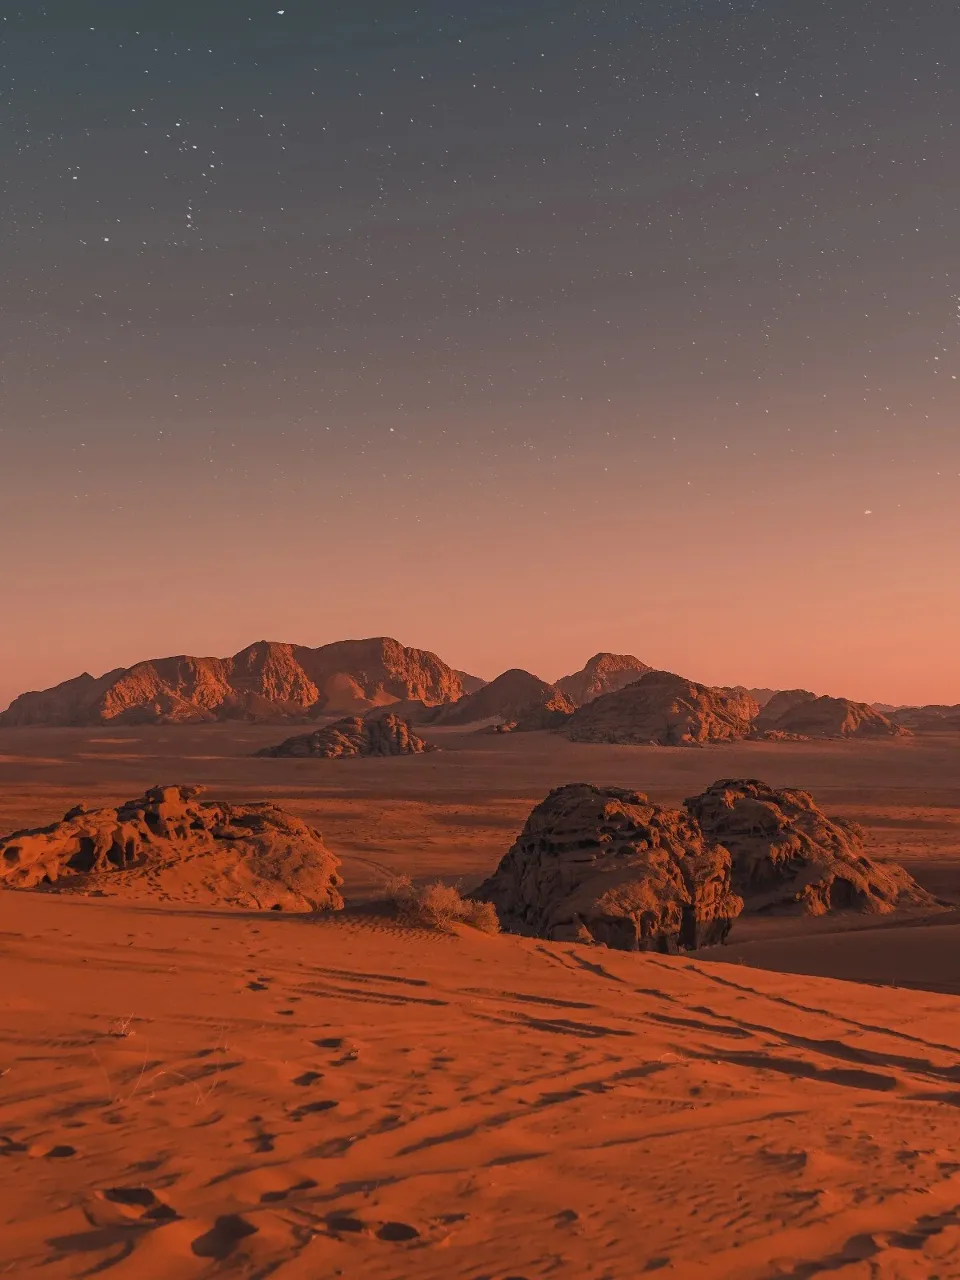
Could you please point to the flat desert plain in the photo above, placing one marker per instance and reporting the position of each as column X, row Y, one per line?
column 187, row 1092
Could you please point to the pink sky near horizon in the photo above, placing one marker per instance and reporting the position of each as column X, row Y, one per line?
column 704, row 568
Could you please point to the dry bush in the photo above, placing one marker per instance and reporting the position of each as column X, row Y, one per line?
column 439, row 906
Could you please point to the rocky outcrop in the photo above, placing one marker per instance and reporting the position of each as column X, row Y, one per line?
column 664, row 709
column 515, row 696
column 787, row 854
column 779, row 704
column 167, row 844
column 375, row 735
column 933, row 718
column 833, row 718
column 265, row 682
column 603, row 673
column 607, row 865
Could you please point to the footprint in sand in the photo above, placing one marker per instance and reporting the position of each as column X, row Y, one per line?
column 140, row 1203
column 223, row 1237
column 62, row 1151
column 308, row 1077
column 397, row 1232
column 312, row 1108
column 274, row 1197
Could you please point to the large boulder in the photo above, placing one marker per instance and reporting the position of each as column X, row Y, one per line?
column 512, row 697
column 832, row 718
column 606, row 865
column 787, row 854
column 667, row 710
column 167, row 844
column 267, row 681
column 374, row 735
column 603, row 673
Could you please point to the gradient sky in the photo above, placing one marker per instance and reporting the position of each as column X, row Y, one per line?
column 513, row 330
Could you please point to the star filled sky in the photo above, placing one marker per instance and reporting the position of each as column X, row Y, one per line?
column 514, row 330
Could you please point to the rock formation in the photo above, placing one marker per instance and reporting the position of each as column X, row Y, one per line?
column 266, row 682
column 374, row 735
column 665, row 709
column 933, row 718
column 606, row 865
column 788, row 854
column 603, row 673
column 166, row 844
column 832, row 718
column 515, row 696
column 779, row 704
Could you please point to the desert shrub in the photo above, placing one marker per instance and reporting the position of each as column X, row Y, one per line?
column 439, row 906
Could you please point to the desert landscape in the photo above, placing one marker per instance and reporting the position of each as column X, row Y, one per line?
column 479, row 699
column 191, row 1087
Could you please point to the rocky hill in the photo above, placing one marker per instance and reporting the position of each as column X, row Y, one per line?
column 828, row 717
column 515, row 696
column 381, row 735
column 170, row 846
column 609, row 866
column 603, row 673
column 667, row 710
column 933, row 718
column 788, row 854
column 779, row 704
column 601, row 864
column 267, row 681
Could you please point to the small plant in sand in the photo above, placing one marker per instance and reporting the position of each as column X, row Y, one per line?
column 439, row 906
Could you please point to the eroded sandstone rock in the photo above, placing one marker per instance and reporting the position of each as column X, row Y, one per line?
column 833, row 718
column 170, row 845
column 788, row 854
column 267, row 681
column 607, row 865
column 603, row 673
column 515, row 696
column 375, row 735
column 667, row 710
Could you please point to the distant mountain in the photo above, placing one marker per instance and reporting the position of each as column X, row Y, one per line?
column 779, row 704
column 515, row 695
column 603, row 673
column 812, row 717
column 933, row 718
column 664, row 709
column 267, row 681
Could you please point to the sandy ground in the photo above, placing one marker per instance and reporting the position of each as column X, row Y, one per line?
column 193, row 1094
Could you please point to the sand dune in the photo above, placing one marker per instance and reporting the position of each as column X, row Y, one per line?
column 191, row 1095
column 196, row 1093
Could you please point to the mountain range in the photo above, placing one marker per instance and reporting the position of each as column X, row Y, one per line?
column 275, row 682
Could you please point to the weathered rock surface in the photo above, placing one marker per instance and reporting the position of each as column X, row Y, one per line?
column 779, row 704
column 787, row 854
column 607, row 865
column 167, row 844
column 513, row 697
column 603, row 673
column 266, row 682
column 375, row 735
column 834, row 718
column 667, row 710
